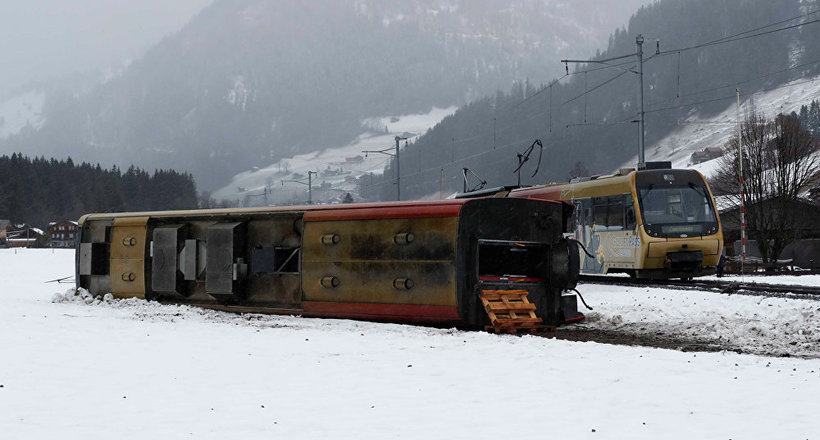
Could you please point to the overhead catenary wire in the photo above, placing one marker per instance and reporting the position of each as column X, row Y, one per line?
column 737, row 83
column 732, row 96
column 751, row 33
column 737, row 37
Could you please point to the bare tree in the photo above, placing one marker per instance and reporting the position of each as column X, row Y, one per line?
column 780, row 160
column 579, row 170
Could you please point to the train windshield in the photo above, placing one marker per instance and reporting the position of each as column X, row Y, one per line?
column 522, row 261
column 677, row 209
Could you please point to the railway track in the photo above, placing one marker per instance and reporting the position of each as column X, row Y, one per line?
column 727, row 287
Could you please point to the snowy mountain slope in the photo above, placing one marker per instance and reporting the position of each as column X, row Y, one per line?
column 248, row 82
column 84, row 368
column 22, row 110
column 696, row 133
column 337, row 166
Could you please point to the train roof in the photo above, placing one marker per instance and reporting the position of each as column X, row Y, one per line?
column 621, row 181
column 412, row 208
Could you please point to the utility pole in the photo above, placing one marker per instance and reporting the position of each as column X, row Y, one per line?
column 641, row 157
column 639, row 40
column 398, row 162
column 309, row 185
column 742, row 202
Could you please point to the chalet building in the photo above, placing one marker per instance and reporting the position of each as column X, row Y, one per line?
column 705, row 154
column 25, row 237
column 63, row 234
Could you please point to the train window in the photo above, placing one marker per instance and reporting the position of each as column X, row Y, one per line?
column 600, row 209
column 286, row 259
column 615, row 213
column 511, row 259
column 629, row 213
column 609, row 213
column 577, row 214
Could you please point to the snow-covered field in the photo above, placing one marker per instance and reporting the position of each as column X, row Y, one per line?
column 74, row 368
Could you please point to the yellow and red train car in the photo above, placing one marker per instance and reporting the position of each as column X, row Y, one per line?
column 402, row 261
column 652, row 224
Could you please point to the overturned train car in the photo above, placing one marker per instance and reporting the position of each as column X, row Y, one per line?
column 402, row 262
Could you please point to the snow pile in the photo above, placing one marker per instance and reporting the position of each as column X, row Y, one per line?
column 752, row 324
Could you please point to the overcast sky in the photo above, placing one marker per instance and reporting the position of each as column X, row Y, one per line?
column 51, row 38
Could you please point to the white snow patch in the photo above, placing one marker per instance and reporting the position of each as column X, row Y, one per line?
column 20, row 111
column 239, row 93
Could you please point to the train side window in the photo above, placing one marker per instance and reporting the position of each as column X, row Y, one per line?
column 615, row 213
column 600, row 208
column 286, row 260
column 629, row 212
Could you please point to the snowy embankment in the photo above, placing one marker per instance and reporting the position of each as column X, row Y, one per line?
column 751, row 324
column 132, row 369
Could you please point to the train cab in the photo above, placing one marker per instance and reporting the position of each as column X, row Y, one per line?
column 651, row 224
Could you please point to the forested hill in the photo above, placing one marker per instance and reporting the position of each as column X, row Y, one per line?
column 37, row 191
column 588, row 117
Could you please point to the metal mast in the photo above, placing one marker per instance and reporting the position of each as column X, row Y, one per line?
column 639, row 40
column 309, row 185
column 398, row 163
column 641, row 157
column 742, row 201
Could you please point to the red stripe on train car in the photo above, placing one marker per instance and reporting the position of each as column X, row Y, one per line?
column 385, row 212
column 371, row 311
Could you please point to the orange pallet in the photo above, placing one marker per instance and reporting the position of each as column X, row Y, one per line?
column 511, row 312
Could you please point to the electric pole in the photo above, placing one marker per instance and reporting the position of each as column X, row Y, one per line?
column 309, row 185
column 398, row 163
column 742, row 204
column 639, row 40
column 641, row 157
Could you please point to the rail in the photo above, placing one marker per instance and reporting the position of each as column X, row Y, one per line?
column 720, row 286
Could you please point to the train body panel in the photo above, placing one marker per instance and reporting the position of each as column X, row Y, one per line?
column 634, row 222
column 410, row 261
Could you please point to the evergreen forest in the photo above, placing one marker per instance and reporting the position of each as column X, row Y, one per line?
column 38, row 191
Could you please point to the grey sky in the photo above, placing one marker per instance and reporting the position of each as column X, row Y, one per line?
column 40, row 39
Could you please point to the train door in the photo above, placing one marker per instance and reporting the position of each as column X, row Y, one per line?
column 127, row 256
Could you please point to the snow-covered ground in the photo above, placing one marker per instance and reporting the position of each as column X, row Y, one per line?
column 751, row 324
column 76, row 368
column 696, row 133
column 336, row 166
